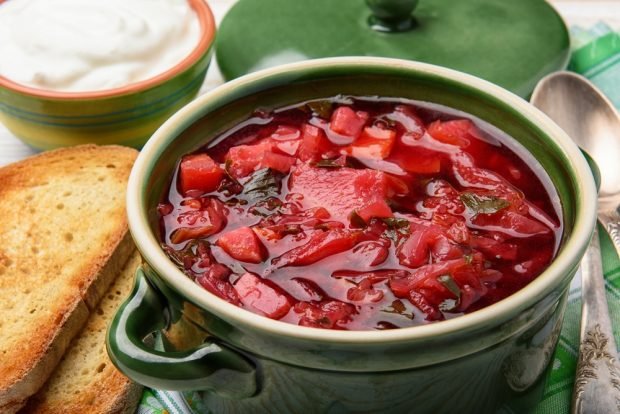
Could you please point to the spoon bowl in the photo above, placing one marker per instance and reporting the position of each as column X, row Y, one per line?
column 591, row 121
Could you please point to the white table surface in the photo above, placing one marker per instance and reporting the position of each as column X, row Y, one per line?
column 584, row 13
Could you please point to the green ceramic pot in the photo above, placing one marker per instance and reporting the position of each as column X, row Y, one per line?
column 492, row 359
column 127, row 115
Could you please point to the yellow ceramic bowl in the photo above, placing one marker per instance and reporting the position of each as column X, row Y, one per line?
column 127, row 115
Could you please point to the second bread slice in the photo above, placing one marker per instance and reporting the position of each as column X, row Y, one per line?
column 85, row 381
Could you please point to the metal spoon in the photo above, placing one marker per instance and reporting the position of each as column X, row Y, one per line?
column 591, row 120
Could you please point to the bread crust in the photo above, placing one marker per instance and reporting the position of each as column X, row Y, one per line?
column 64, row 237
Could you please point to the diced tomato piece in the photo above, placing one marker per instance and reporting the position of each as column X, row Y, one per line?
column 407, row 117
column 346, row 121
column 468, row 297
column 443, row 199
column 218, row 271
column 480, row 178
column 314, row 143
column 215, row 280
column 282, row 163
column 342, row 191
column 402, row 286
column 289, row 148
column 328, row 314
column 374, row 142
column 507, row 168
column 321, row 245
column 417, row 162
column 243, row 244
column 444, row 249
column 284, row 141
column 163, row 209
column 199, row 172
column 305, row 290
column 457, row 132
column 397, row 186
column 260, row 296
column 534, row 265
column 188, row 233
column 364, row 292
column 470, row 276
column 490, row 276
column 414, row 251
column 419, row 301
column 494, row 249
column 370, row 253
column 285, row 133
column 511, row 224
column 195, row 224
column 245, row 159
column 454, row 226
column 375, row 208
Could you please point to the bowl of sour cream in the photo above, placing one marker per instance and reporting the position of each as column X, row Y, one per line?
column 85, row 71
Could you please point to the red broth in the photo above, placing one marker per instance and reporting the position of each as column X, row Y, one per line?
column 361, row 213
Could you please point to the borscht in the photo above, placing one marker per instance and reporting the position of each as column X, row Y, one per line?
column 360, row 213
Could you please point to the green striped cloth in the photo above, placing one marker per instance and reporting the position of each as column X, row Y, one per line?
column 596, row 55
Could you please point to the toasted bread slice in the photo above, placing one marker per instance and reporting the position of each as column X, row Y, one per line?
column 86, row 381
column 63, row 239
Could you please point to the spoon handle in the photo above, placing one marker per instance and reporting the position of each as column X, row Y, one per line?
column 597, row 382
column 610, row 219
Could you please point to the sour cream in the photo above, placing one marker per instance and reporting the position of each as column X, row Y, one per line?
column 92, row 45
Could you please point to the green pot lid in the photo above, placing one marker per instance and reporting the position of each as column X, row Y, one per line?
column 510, row 43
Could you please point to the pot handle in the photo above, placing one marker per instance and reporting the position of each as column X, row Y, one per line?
column 211, row 366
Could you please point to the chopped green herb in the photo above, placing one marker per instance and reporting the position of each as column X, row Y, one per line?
column 397, row 227
column 263, row 184
column 396, row 223
column 356, row 220
column 265, row 208
column 290, row 229
column 322, row 109
column 450, row 284
column 448, row 305
column 187, row 254
column 398, row 307
column 324, row 321
column 227, row 166
column 483, row 204
column 468, row 258
column 328, row 164
column 389, row 122
column 392, row 235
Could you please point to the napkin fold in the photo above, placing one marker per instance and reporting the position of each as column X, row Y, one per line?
column 596, row 55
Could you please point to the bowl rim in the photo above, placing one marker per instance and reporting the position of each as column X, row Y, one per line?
column 206, row 38
column 497, row 313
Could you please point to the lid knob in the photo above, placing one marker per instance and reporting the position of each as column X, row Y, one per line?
column 391, row 15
